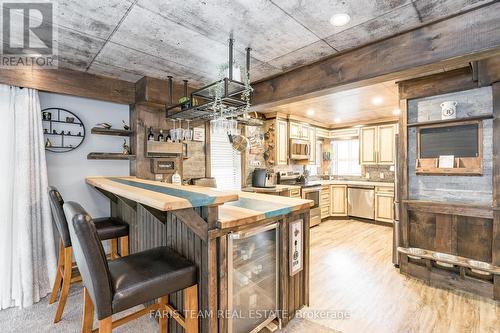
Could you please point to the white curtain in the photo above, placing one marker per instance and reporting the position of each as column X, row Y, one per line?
column 27, row 254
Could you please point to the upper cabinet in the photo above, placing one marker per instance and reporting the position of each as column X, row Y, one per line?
column 386, row 144
column 312, row 140
column 299, row 131
column 377, row 144
column 281, row 142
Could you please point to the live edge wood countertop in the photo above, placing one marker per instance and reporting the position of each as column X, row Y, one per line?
column 236, row 208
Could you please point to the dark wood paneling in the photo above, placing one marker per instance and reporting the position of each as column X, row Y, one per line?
column 449, row 208
column 429, row 48
column 474, row 237
column 488, row 71
column 422, row 230
column 155, row 93
column 437, row 84
column 65, row 81
column 444, row 233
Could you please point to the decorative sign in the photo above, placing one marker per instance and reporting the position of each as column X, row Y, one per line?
column 199, row 134
column 449, row 110
column 296, row 253
column 446, row 161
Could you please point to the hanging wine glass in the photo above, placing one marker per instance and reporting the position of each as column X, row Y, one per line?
column 180, row 131
column 173, row 133
column 188, row 133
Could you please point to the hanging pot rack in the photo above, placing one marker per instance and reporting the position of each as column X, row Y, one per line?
column 199, row 104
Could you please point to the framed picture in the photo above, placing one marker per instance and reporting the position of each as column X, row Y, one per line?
column 296, row 246
column 198, row 134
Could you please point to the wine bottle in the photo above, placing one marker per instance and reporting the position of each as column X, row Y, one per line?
column 160, row 136
column 151, row 136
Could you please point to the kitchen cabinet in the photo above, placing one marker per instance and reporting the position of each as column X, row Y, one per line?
column 281, row 142
column 386, row 144
column 299, row 131
column 338, row 194
column 377, row 145
column 325, row 201
column 384, row 204
column 294, row 193
column 312, row 140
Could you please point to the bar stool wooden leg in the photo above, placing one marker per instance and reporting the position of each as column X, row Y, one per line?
column 68, row 263
column 114, row 248
column 163, row 321
column 88, row 312
column 106, row 325
column 191, row 307
column 58, row 280
column 124, row 246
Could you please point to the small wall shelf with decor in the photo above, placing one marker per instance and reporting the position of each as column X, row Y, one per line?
column 62, row 129
column 110, row 131
column 110, row 156
column 450, row 147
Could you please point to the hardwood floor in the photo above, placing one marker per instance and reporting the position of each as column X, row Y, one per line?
column 351, row 270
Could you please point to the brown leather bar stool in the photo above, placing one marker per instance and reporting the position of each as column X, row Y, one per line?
column 107, row 228
column 123, row 283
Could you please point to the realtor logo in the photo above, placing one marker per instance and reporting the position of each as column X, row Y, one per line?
column 28, row 34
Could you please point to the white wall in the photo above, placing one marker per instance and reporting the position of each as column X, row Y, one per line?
column 67, row 171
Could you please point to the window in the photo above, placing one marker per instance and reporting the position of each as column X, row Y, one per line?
column 345, row 159
column 225, row 163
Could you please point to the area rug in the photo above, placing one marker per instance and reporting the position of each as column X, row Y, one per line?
column 39, row 317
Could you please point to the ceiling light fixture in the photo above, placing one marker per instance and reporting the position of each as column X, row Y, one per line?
column 378, row 100
column 396, row 112
column 310, row 112
column 336, row 120
column 340, row 20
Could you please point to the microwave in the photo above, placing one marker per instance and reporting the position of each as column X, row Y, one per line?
column 300, row 149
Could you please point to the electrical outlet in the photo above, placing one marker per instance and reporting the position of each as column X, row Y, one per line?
column 367, row 175
column 382, row 176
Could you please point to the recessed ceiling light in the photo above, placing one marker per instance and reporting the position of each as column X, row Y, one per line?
column 340, row 20
column 336, row 120
column 377, row 100
column 396, row 112
column 310, row 112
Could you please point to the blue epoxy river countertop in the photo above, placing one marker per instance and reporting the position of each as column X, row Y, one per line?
column 236, row 208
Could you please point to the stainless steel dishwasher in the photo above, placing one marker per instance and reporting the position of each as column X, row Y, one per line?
column 361, row 201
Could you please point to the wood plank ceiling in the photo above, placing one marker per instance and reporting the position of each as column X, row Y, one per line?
column 361, row 105
column 187, row 39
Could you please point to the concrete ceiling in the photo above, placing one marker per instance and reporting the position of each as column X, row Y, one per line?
column 187, row 39
column 361, row 105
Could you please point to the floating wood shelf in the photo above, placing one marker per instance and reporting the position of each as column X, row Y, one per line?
column 110, row 131
column 109, row 156
column 450, row 259
column 464, row 166
column 446, row 121
column 156, row 148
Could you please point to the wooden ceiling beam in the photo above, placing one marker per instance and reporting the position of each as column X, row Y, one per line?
column 435, row 47
column 69, row 82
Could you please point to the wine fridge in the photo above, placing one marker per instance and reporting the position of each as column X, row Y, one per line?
column 253, row 278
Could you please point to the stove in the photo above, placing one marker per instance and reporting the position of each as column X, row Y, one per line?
column 308, row 189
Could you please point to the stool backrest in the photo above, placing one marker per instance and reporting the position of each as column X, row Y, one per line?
column 56, row 206
column 90, row 257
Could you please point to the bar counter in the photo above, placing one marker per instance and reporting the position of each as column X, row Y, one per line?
column 200, row 223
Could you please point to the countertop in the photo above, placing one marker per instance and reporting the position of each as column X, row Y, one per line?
column 236, row 208
column 162, row 196
column 277, row 189
column 352, row 182
column 253, row 207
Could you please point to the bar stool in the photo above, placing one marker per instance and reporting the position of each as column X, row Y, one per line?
column 121, row 284
column 107, row 228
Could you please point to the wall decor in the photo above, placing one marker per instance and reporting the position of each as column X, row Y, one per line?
column 296, row 253
column 59, row 126
column 449, row 110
